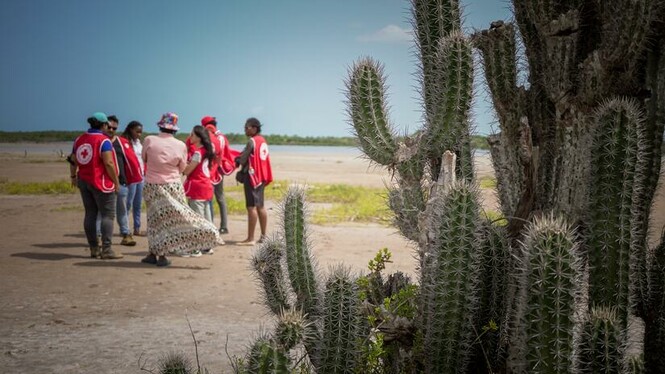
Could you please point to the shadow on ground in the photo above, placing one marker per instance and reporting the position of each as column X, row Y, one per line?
column 48, row 256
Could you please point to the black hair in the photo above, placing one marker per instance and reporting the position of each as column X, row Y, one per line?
column 130, row 126
column 202, row 133
column 95, row 123
column 113, row 118
column 253, row 122
column 172, row 132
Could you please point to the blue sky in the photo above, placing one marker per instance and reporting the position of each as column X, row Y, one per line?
column 283, row 62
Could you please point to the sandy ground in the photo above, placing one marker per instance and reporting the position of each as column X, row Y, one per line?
column 62, row 312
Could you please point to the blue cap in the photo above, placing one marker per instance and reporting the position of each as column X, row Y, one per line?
column 99, row 116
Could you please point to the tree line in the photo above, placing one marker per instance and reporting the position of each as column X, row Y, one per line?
column 477, row 141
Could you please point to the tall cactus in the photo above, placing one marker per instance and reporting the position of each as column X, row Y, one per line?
column 450, row 279
column 614, row 158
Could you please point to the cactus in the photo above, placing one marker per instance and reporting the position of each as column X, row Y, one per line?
column 602, row 342
column 302, row 272
column 267, row 264
column 655, row 318
column 266, row 357
column 343, row 330
column 614, row 157
column 577, row 159
column 548, row 299
column 450, row 279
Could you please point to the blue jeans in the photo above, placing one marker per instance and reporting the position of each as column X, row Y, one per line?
column 120, row 212
column 134, row 201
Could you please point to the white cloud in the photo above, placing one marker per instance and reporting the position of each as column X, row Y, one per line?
column 388, row 34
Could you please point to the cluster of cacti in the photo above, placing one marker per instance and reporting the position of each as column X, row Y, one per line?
column 322, row 318
column 580, row 141
column 577, row 161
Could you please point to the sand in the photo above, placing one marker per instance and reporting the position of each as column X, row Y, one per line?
column 64, row 312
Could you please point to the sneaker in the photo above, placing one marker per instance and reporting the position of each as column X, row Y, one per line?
column 95, row 252
column 128, row 240
column 195, row 253
column 109, row 254
column 162, row 261
column 208, row 251
column 223, row 231
column 149, row 259
column 182, row 253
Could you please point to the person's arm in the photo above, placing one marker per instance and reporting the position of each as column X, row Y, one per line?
column 73, row 169
column 244, row 156
column 196, row 158
column 109, row 165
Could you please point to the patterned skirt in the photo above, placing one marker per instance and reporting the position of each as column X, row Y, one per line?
column 173, row 227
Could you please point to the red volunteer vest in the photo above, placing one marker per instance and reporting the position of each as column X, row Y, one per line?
column 133, row 172
column 227, row 163
column 215, row 176
column 260, row 171
column 88, row 152
column 197, row 185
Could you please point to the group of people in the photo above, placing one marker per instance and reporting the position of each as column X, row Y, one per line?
column 115, row 173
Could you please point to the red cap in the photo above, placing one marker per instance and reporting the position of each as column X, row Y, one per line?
column 207, row 119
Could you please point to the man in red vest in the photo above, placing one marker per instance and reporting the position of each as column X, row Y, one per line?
column 94, row 171
column 255, row 174
column 129, row 171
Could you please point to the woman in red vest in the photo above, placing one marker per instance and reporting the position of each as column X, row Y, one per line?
column 198, row 187
column 255, row 174
column 95, row 172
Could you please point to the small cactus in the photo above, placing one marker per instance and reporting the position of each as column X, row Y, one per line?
column 602, row 342
column 267, row 264
column 548, row 299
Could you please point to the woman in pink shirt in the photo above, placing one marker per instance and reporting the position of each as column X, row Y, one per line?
column 172, row 226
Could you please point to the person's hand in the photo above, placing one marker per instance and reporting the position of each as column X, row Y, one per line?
column 117, row 188
column 74, row 181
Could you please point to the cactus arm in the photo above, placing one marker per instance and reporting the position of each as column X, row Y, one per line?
column 365, row 90
column 451, row 95
column 267, row 265
column 614, row 158
column 626, row 26
column 302, row 272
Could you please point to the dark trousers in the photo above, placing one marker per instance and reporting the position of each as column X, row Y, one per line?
column 95, row 201
column 221, row 203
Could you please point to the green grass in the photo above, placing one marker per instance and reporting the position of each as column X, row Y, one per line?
column 331, row 203
column 347, row 203
column 36, row 188
column 487, row 182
